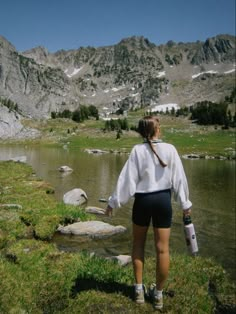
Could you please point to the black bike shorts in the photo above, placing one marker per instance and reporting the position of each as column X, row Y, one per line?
column 155, row 206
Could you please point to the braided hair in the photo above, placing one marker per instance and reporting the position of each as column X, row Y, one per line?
column 147, row 128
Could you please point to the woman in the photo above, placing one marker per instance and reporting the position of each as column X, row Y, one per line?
column 152, row 171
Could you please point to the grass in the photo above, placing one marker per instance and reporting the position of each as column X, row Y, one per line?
column 187, row 137
column 206, row 142
column 40, row 214
column 181, row 132
column 38, row 278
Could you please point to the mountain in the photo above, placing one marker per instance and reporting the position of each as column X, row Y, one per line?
column 130, row 74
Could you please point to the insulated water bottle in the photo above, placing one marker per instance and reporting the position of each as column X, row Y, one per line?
column 190, row 235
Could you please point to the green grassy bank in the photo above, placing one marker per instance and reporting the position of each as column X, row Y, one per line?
column 188, row 138
column 38, row 278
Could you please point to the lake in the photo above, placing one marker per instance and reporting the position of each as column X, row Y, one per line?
column 212, row 191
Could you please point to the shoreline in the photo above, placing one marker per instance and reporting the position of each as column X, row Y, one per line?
column 28, row 258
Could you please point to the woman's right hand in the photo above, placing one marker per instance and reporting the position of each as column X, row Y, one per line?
column 108, row 211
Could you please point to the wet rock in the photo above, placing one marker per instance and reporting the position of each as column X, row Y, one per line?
column 95, row 210
column 75, row 197
column 95, row 151
column 94, row 229
column 191, row 156
column 65, row 169
column 19, row 159
column 102, row 200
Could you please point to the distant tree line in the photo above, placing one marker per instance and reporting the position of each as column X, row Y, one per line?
column 232, row 97
column 209, row 113
column 184, row 111
column 115, row 125
column 205, row 113
column 79, row 115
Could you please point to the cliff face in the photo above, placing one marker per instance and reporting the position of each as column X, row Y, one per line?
column 11, row 126
column 37, row 89
column 132, row 73
column 218, row 49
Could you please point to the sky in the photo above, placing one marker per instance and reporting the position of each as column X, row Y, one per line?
column 71, row 24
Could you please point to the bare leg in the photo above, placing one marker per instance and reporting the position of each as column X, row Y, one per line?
column 161, row 237
column 139, row 239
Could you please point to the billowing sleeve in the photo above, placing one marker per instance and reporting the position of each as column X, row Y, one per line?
column 179, row 182
column 126, row 184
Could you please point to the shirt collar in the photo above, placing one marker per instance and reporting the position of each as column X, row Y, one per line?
column 154, row 141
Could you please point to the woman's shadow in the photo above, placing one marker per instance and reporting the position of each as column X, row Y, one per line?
column 84, row 284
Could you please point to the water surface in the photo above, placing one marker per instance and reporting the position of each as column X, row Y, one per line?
column 212, row 191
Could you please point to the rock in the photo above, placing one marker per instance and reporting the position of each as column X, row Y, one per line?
column 191, row 156
column 95, row 210
column 65, row 169
column 19, row 159
column 103, row 200
column 122, row 260
column 95, row 151
column 16, row 206
column 221, row 157
column 64, row 174
column 11, row 126
column 75, row 197
column 93, row 229
column 10, row 123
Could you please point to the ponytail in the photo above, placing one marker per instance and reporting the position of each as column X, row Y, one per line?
column 147, row 128
column 155, row 153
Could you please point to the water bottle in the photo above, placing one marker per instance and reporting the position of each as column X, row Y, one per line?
column 190, row 235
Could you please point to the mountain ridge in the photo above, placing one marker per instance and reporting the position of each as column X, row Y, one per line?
column 133, row 73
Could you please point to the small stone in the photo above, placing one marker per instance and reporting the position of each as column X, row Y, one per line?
column 95, row 210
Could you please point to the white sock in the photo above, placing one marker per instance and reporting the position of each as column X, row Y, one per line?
column 138, row 286
column 158, row 293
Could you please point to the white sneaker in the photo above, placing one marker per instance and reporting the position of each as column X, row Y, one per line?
column 140, row 295
column 157, row 302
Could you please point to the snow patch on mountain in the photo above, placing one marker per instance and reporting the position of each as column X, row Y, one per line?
column 230, row 71
column 165, row 107
column 161, row 74
column 201, row 73
column 73, row 73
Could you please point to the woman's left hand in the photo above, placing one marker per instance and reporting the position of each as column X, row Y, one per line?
column 187, row 212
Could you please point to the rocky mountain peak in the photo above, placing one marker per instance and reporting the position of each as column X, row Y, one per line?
column 137, row 42
column 37, row 51
column 216, row 49
column 6, row 45
column 39, row 54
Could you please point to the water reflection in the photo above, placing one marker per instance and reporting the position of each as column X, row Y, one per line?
column 212, row 190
